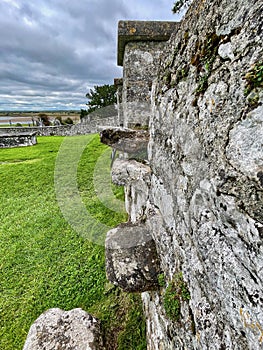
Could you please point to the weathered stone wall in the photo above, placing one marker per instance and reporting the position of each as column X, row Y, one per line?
column 118, row 82
column 17, row 139
column 62, row 130
column 86, row 127
column 140, row 60
column 201, row 198
column 193, row 243
column 140, row 44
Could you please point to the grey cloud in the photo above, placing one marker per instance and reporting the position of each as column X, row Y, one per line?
column 54, row 51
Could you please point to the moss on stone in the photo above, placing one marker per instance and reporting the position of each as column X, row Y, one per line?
column 203, row 59
column 176, row 292
column 254, row 77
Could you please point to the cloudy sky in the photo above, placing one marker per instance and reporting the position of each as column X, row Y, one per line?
column 53, row 51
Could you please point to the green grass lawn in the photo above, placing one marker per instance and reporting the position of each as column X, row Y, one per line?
column 44, row 261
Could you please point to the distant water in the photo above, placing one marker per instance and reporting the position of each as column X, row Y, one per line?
column 14, row 120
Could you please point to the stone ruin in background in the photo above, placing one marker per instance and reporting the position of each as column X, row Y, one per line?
column 18, row 139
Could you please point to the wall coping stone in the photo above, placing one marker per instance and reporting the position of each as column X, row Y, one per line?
column 142, row 31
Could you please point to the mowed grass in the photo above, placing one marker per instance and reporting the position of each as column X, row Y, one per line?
column 44, row 262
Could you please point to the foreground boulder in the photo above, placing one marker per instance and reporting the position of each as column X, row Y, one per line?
column 71, row 330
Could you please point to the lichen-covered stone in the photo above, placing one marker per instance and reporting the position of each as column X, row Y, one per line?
column 126, row 140
column 204, row 201
column 138, row 31
column 140, row 44
column 131, row 259
column 140, row 64
column 70, row 330
column 129, row 171
column 118, row 82
column 136, row 177
column 17, row 139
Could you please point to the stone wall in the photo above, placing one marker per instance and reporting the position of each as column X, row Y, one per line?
column 18, row 139
column 87, row 126
column 63, row 130
column 118, row 82
column 201, row 193
column 140, row 45
column 140, row 60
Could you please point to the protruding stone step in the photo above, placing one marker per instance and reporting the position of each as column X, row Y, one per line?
column 125, row 140
column 132, row 261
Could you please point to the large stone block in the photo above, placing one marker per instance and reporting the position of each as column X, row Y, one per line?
column 17, row 139
column 132, row 262
column 125, row 140
column 70, row 330
column 136, row 177
column 125, row 172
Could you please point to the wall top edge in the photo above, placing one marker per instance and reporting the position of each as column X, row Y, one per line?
column 142, row 31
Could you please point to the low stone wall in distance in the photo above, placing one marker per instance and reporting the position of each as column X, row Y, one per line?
column 18, row 139
column 87, row 126
column 62, row 130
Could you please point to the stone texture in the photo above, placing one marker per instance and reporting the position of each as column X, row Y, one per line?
column 70, row 330
column 17, row 139
column 126, row 140
column 140, row 44
column 131, row 258
column 140, row 64
column 203, row 203
column 118, row 82
column 196, row 205
column 126, row 171
column 93, row 123
column 136, row 177
column 61, row 130
column 142, row 31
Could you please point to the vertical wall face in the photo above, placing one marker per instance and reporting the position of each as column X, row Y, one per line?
column 140, row 66
column 206, row 155
column 140, row 44
column 203, row 204
column 118, row 82
column 18, row 139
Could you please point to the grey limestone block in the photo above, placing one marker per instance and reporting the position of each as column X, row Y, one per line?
column 57, row 329
column 17, row 139
column 125, row 140
column 132, row 262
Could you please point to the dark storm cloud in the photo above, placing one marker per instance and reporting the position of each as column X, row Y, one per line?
column 53, row 51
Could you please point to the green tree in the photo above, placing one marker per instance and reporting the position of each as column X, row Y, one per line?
column 180, row 5
column 44, row 119
column 101, row 96
column 83, row 113
column 68, row 121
